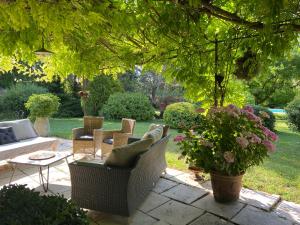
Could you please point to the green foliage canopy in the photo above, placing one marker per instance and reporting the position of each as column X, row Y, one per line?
column 178, row 38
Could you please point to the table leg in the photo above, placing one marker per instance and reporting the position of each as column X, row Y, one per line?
column 13, row 173
column 44, row 179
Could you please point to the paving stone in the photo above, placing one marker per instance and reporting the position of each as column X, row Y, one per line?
column 28, row 181
column 185, row 193
column 171, row 173
column 140, row 218
column 153, row 201
column 210, row 219
column 209, row 204
column 176, row 213
column 258, row 199
column 289, row 210
column 186, row 178
column 251, row 215
column 161, row 223
column 163, row 185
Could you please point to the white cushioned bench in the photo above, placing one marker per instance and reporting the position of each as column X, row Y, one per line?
column 28, row 140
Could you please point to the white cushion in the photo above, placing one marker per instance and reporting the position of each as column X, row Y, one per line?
column 26, row 146
column 22, row 128
column 155, row 134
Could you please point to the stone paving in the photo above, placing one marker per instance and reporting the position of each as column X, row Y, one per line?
column 177, row 199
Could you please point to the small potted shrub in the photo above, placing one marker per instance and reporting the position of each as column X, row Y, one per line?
column 41, row 107
column 228, row 141
column 20, row 206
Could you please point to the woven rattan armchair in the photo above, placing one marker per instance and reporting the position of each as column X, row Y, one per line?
column 113, row 138
column 85, row 139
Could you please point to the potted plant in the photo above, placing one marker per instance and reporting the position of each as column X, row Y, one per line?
column 228, row 141
column 41, row 107
column 20, row 205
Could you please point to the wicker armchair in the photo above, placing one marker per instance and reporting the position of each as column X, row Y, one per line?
column 85, row 138
column 113, row 138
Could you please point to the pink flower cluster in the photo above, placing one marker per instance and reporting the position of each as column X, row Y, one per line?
column 242, row 141
column 179, row 138
column 269, row 145
column 249, row 112
column 229, row 157
column 269, row 134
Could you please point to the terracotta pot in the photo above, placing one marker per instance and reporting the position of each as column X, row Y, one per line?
column 226, row 188
column 42, row 126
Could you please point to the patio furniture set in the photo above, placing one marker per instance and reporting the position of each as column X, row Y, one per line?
column 118, row 184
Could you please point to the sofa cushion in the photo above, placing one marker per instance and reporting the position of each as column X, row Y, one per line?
column 108, row 141
column 26, row 146
column 125, row 156
column 86, row 138
column 22, row 128
column 7, row 135
column 155, row 135
column 165, row 128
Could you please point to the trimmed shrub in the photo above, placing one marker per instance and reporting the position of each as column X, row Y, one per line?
column 42, row 105
column 20, row 205
column 13, row 100
column 267, row 122
column 128, row 105
column 100, row 88
column 181, row 115
column 69, row 106
column 293, row 112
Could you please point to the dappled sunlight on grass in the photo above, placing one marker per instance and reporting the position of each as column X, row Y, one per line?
column 280, row 173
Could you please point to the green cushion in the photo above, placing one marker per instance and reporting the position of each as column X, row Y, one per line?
column 155, row 134
column 125, row 156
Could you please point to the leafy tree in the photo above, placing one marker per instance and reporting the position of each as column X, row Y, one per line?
column 100, row 88
column 277, row 85
column 201, row 42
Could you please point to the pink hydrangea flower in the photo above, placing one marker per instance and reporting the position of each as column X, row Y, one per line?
column 179, row 138
column 254, row 139
column 248, row 108
column 269, row 134
column 269, row 145
column 243, row 142
column 229, row 157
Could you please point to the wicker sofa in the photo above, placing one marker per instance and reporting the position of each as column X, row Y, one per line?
column 118, row 190
column 27, row 140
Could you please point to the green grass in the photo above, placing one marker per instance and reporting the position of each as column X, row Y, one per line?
column 279, row 174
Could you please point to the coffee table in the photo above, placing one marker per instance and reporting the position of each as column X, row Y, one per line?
column 25, row 160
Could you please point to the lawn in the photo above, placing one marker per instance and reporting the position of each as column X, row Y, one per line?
column 280, row 173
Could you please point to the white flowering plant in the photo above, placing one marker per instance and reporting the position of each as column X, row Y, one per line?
column 228, row 141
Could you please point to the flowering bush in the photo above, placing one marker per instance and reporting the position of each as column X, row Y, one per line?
column 228, row 141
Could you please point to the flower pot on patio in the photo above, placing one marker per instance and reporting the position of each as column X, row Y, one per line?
column 42, row 126
column 226, row 188
column 225, row 144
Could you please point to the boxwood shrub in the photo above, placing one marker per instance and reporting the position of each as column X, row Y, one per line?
column 293, row 112
column 128, row 105
column 181, row 115
column 21, row 206
column 267, row 122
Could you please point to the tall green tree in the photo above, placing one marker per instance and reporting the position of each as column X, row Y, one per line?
column 277, row 86
column 203, row 42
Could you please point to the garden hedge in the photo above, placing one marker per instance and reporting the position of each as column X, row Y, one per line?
column 293, row 112
column 181, row 115
column 128, row 105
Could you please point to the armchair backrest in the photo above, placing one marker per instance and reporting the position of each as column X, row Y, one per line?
column 128, row 125
column 92, row 122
